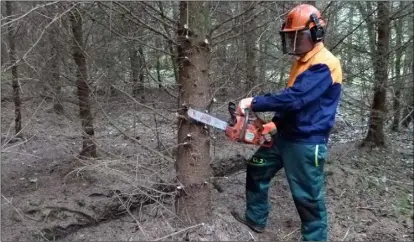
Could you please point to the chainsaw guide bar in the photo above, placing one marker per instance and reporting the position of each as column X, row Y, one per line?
column 240, row 128
column 207, row 119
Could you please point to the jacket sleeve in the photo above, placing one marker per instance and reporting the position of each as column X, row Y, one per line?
column 307, row 87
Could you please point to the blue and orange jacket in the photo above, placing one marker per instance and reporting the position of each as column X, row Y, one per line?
column 305, row 111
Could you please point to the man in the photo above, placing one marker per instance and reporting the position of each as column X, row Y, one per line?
column 304, row 115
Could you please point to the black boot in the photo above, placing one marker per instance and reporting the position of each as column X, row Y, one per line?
column 245, row 221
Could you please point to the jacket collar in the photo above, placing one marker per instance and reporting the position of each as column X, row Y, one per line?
column 318, row 47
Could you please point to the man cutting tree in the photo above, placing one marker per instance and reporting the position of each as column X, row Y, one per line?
column 304, row 115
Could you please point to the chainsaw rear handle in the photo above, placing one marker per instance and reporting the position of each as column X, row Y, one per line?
column 233, row 118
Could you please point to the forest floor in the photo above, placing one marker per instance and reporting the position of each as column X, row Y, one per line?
column 47, row 193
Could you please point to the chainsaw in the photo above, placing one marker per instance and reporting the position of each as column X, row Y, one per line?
column 240, row 127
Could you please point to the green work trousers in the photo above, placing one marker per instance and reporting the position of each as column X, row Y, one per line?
column 303, row 165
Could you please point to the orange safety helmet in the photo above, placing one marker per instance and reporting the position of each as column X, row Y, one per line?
column 301, row 21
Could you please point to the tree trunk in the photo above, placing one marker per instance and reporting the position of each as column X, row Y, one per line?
column 137, row 70
column 171, row 49
column 3, row 54
column 158, row 44
column 408, row 114
column 193, row 156
column 375, row 136
column 141, row 70
column 134, row 60
column 15, row 82
column 88, row 147
column 348, row 60
column 365, row 9
column 54, row 73
column 398, row 55
column 55, row 81
column 223, row 61
column 249, row 45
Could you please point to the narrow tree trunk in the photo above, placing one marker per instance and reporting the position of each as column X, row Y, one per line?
column 349, row 53
column 365, row 9
column 137, row 70
column 3, row 54
column 398, row 55
column 141, row 69
column 158, row 66
column 249, row 45
column 375, row 136
column 332, row 15
column 171, row 49
column 15, row 82
column 408, row 114
column 158, row 44
column 193, row 156
column 55, row 80
column 88, row 146
column 263, row 47
column 54, row 73
column 134, row 61
column 223, row 62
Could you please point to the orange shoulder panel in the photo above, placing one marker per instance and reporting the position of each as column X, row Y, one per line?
column 326, row 57
column 319, row 55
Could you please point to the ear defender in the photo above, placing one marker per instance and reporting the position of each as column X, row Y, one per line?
column 317, row 32
column 283, row 37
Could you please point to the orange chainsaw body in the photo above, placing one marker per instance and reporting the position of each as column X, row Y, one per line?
column 242, row 128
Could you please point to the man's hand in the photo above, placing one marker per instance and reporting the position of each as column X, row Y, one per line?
column 245, row 104
column 269, row 128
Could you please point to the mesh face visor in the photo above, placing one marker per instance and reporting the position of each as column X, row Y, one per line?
column 296, row 42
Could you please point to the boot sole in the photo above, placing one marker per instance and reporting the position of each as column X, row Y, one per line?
column 241, row 220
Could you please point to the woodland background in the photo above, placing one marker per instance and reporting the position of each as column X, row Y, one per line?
column 96, row 145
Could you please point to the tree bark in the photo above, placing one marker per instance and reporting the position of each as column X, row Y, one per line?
column 15, row 82
column 171, row 49
column 54, row 73
column 249, row 45
column 158, row 44
column 137, row 61
column 134, row 61
column 141, row 70
column 3, row 54
column 349, row 43
column 88, row 145
column 398, row 55
column 376, row 136
column 408, row 114
column 193, row 156
column 370, row 26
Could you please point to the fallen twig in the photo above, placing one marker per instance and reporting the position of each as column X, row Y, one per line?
column 342, row 193
column 289, row 234
column 22, row 216
column 367, row 208
column 130, row 214
column 346, row 235
column 252, row 236
column 180, row 231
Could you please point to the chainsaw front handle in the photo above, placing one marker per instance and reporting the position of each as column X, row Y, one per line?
column 246, row 122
